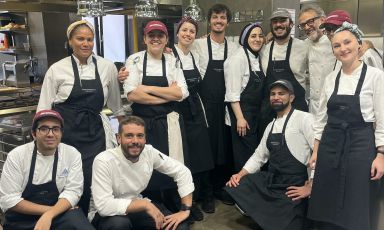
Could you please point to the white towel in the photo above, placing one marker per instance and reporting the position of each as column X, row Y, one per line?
column 175, row 142
column 110, row 137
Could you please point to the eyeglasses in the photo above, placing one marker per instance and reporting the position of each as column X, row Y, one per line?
column 309, row 22
column 45, row 130
column 329, row 29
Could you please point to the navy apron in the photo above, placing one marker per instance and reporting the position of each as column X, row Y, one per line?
column 342, row 192
column 195, row 122
column 250, row 103
column 43, row 194
column 212, row 91
column 156, row 126
column 83, row 125
column 262, row 194
column 280, row 70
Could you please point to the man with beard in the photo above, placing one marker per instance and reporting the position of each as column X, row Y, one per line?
column 212, row 52
column 42, row 181
column 121, row 174
column 320, row 56
column 276, row 198
column 284, row 58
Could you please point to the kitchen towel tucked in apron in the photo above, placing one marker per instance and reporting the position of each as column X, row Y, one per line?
column 175, row 141
column 262, row 194
column 342, row 192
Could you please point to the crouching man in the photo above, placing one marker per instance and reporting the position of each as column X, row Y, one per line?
column 42, row 181
column 121, row 174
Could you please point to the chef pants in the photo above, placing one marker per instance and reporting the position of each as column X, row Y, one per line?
column 327, row 226
column 133, row 221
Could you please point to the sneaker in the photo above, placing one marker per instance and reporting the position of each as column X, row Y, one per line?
column 196, row 213
column 208, row 205
column 225, row 197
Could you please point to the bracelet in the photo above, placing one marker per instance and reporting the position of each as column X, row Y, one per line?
column 380, row 149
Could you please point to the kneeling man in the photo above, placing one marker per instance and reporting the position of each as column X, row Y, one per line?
column 274, row 198
column 121, row 174
column 42, row 181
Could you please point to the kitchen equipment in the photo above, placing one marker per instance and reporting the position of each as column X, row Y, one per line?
column 16, row 73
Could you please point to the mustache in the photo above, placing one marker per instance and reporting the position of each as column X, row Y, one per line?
column 134, row 145
column 279, row 27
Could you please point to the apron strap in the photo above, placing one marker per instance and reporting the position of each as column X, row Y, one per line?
column 145, row 65
column 288, row 53
column 210, row 48
column 361, row 80
column 177, row 56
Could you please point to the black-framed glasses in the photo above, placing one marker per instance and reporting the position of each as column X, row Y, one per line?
column 45, row 130
column 309, row 22
column 329, row 28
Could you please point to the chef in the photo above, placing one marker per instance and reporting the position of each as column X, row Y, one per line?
column 348, row 153
column 244, row 80
column 78, row 87
column 213, row 51
column 275, row 199
column 284, row 58
column 155, row 83
column 42, row 181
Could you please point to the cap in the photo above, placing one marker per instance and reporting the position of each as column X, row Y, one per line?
column 280, row 13
column 155, row 25
column 337, row 17
column 284, row 83
column 46, row 113
column 78, row 23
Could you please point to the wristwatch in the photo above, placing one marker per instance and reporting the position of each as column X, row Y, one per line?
column 184, row 207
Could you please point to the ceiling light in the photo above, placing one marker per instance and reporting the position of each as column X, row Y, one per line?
column 146, row 9
column 194, row 11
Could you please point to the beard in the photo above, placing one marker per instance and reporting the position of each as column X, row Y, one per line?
column 314, row 36
column 278, row 107
column 285, row 35
column 126, row 148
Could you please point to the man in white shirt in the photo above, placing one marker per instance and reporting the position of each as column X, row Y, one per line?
column 320, row 56
column 275, row 198
column 42, row 181
column 121, row 174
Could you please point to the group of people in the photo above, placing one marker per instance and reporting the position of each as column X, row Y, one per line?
column 210, row 119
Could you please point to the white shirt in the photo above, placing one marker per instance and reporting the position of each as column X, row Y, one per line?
column 116, row 181
column 154, row 68
column 371, row 98
column 200, row 46
column 236, row 73
column 186, row 60
column 298, row 134
column 59, row 79
column 321, row 62
column 298, row 60
column 14, row 179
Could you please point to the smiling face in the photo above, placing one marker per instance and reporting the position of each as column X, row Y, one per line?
column 186, row 34
column 132, row 141
column 280, row 28
column 345, row 47
column 47, row 142
column 81, row 42
column 218, row 22
column 310, row 22
column 256, row 39
column 156, row 41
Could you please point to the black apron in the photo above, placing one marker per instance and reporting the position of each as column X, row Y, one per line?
column 212, row 91
column 83, row 127
column 280, row 70
column 195, row 121
column 156, row 126
column 262, row 195
column 342, row 192
column 43, row 194
column 250, row 103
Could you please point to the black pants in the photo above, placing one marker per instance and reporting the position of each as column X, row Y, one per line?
column 133, row 221
column 327, row 226
column 73, row 219
column 203, row 186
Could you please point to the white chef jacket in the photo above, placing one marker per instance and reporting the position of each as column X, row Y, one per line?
column 371, row 98
column 59, row 79
column 154, row 68
column 186, row 60
column 14, row 179
column 200, row 46
column 236, row 73
column 116, row 181
column 298, row 134
column 321, row 62
column 298, row 60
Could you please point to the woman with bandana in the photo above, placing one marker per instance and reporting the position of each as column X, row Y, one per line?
column 244, row 80
column 78, row 87
column 348, row 153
